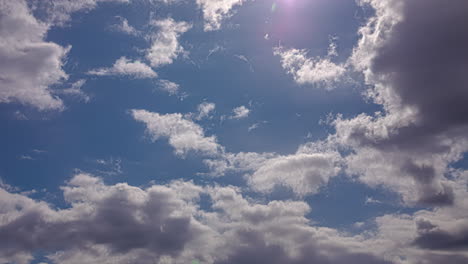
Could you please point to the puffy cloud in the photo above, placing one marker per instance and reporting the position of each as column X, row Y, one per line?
column 165, row 47
column 414, row 63
column 317, row 71
column 29, row 65
column 183, row 134
column 303, row 173
column 215, row 11
column 240, row 112
column 165, row 224
column 125, row 67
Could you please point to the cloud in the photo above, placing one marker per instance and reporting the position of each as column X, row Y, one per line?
column 165, row 224
column 413, row 64
column 183, row 134
column 29, row 65
column 321, row 72
column 165, row 47
column 58, row 12
column 75, row 91
column 125, row 67
column 240, row 112
column 170, row 87
column 204, row 110
column 215, row 11
column 124, row 27
column 304, row 172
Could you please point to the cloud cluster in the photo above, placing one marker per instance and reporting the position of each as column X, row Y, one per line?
column 303, row 173
column 164, row 224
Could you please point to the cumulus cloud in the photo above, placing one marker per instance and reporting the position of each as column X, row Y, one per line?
column 165, row 46
column 29, row 65
column 240, row 112
column 183, row 134
column 125, row 67
column 165, row 224
column 318, row 71
column 414, row 63
column 215, row 11
column 303, row 173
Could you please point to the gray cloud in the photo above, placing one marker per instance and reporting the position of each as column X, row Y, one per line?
column 164, row 224
column 415, row 63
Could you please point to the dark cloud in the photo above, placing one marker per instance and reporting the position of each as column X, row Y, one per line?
column 432, row 237
column 414, row 56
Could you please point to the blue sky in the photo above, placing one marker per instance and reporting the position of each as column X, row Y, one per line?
column 235, row 121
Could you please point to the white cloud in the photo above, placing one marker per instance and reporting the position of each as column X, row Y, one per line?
column 124, row 27
column 215, row 11
column 125, row 67
column 29, row 65
column 183, row 134
column 204, row 110
column 302, row 173
column 165, row 46
column 240, row 112
column 318, row 71
column 170, row 87
column 75, row 91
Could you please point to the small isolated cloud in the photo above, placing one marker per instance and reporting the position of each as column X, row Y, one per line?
column 215, row 11
column 256, row 125
column 244, row 59
column 165, row 46
column 75, row 91
column 171, row 88
column 370, row 200
column 125, row 67
column 318, row 71
column 204, row 110
column 240, row 112
column 124, row 27
column 183, row 134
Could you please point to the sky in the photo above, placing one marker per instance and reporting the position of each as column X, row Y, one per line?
column 230, row 131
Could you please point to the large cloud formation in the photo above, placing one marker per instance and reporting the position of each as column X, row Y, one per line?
column 416, row 64
column 164, row 224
